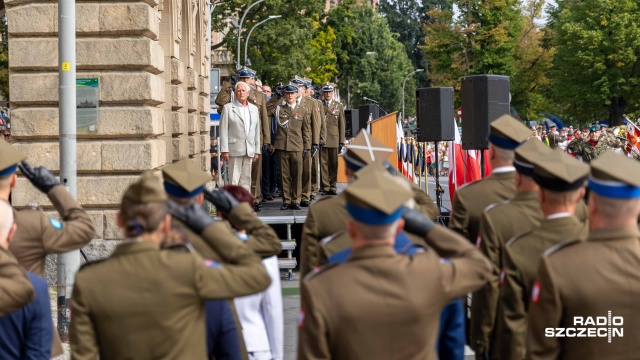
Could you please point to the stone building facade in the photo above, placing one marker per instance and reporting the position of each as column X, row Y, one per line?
column 152, row 62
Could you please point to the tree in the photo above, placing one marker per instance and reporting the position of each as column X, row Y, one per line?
column 322, row 58
column 596, row 67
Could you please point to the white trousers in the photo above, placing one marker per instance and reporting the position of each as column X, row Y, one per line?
column 240, row 171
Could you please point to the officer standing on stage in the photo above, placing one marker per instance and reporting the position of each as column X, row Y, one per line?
column 499, row 223
column 366, row 308
column 561, row 178
column 595, row 278
column 334, row 140
column 315, row 178
column 258, row 99
column 38, row 234
column 293, row 143
column 316, row 126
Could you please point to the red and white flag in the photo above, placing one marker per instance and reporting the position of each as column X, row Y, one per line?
column 464, row 164
column 633, row 139
column 369, row 123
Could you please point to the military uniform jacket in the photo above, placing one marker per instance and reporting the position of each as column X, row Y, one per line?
column 521, row 261
column 586, row 150
column 334, row 113
column 588, row 279
column 256, row 98
column 39, row 235
column 224, row 96
column 157, row 311
column 384, row 305
column 470, row 201
column 15, row 288
column 294, row 126
column 499, row 223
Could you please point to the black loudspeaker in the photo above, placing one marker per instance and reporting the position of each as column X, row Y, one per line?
column 484, row 99
column 352, row 123
column 364, row 111
column 435, row 114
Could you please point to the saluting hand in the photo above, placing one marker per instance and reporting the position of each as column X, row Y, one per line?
column 40, row 177
column 193, row 216
column 222, row 200
column 416, row 222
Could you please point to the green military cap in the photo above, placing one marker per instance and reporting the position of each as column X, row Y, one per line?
column 184, row 179
column 9, row 158
column 147, row 189
column 594, row 128
column 615, row 176
column 364, row 150
column 508, row 133
column 527, row 153
column 376, row 199
column 555, row 170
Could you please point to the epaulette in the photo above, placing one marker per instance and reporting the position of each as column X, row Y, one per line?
column 91, row 263
column 517, row 237
column 331, row 237
column 185, row 248
column 494, row 205
column 319, row 270
column 559, row 246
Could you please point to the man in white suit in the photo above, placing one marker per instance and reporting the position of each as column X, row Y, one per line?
column 240, row 136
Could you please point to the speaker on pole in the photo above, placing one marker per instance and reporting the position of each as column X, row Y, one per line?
column 365, row 111
column 352, row 123
column 435, row 114
column 484, row 99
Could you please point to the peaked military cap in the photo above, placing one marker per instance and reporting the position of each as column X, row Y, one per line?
column 184, row 179
column 376, row 198
column 147, row 189
column 328, row 87
column 308, row 82
column 615, row 176
column 245, row 72
column 364, row 150
column 298, row 81
column 9, row 158
column 291, row 88
column 527, row 153
column 555, row 170
column 508, row 133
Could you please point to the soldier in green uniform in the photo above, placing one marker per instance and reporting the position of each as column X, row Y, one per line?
column 561, row 179
column 499, row 223
column 590, row 149
column 315, row 171
column 293, row 142
column 258, row 99
column 334, row 139
column 157, row 311
column 597, row 277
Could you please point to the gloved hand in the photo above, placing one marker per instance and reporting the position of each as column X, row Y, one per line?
column 314, row 150
column 193, row 216
column 222, row 200
column 265, row 148
column 416, row 222
column 304, row 153
column 390, row 169
column 340, row 147
column 40, row 177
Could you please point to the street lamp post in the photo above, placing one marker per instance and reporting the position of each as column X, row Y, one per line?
column 246, row 42
column 404, row 82
column 240, row 30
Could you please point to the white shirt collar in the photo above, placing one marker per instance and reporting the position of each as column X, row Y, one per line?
column 558, row 215
column 503, row 169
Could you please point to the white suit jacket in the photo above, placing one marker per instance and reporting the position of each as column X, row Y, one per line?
column 233, row 137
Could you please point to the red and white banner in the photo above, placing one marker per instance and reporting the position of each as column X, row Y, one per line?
column 633, row 137
column 464, row 164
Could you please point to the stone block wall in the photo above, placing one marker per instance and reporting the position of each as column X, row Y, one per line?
column 151, row 61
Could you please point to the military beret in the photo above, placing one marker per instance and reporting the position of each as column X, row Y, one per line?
column 245, row 72
column 615, row 176
column 594, row 128
column 9, row 158
column 508, row 133
column 328, row 87
column 147, row 189
column 291, row 88
column 557, row 171
column 527, row 153
column 375, row 197
column 364, row 150
column 184, row 179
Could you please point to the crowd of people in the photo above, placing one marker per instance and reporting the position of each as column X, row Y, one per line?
column 280, row 141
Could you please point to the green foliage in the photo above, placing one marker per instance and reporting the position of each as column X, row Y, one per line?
column 322, row 58
column 4, row 61
column 596, row 67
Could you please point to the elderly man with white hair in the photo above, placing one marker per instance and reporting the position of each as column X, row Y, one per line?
column 240, row 136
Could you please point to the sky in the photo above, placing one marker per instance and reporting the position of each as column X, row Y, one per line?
column 456, row 11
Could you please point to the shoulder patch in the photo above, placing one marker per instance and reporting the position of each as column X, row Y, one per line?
column 517, row 237
column 494, row 205
column 55, row 223
column 90, row 263
column 331, row 237
column 559, row 246
column 319, row 270
column 213, row 264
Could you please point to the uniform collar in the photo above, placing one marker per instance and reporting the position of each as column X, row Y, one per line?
column 627, row 232
column 372, row 252
column 134, row 247
column 503, row 169
column 525, row 196
column 502, row 175
column 558, row 215
column 560, row 222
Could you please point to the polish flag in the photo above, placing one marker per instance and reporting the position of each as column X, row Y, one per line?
column 464, row 165
column 633, row 137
